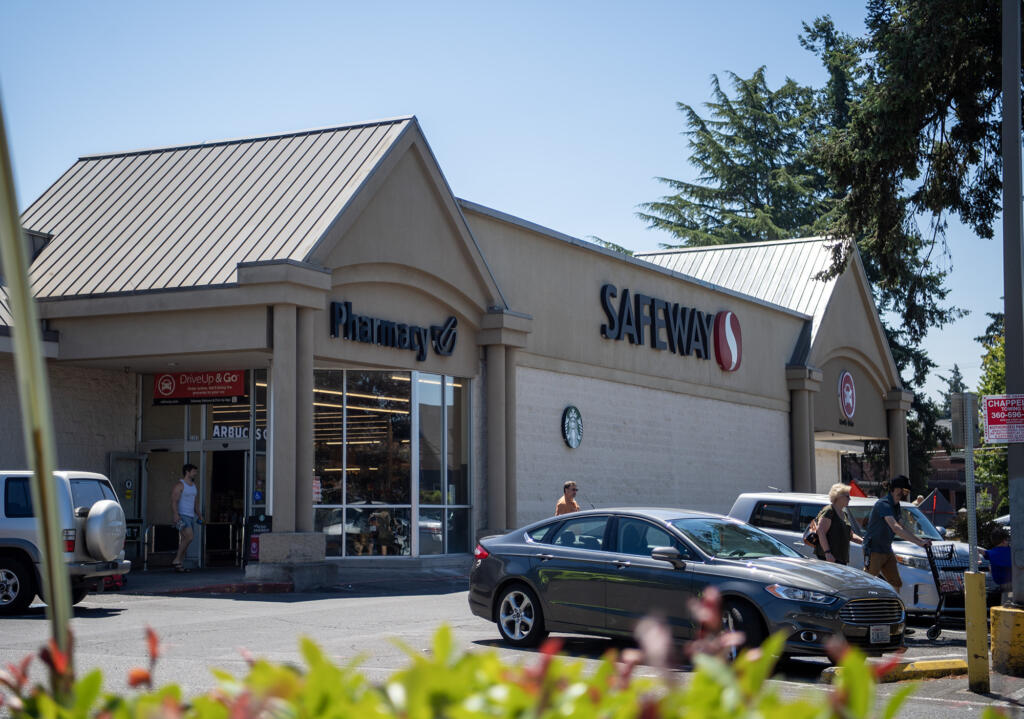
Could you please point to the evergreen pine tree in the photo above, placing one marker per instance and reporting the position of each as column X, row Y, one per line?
column 755, row 177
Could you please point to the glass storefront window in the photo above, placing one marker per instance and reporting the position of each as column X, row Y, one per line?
column 428, row 390
column 229, row 420
column 329, row 435
column 381, row 531
column 457, row 529
column 259, row 408
column 457, row 422
column 431, row 529
column 378, row 429
column 331, row 521
column 368, row 497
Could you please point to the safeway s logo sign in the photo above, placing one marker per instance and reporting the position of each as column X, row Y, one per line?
column 847, row 394
column 728, row 341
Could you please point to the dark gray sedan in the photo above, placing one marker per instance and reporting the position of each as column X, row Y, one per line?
column 601, row 571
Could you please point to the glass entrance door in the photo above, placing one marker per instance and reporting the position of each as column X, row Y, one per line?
column 225, row 506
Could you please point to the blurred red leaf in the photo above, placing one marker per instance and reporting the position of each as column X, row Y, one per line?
column 139, row 676
column 552, row 646
column 882, row 668
column 54, row 658
column 153, row 643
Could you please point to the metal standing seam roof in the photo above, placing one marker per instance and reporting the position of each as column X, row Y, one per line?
column 187, row 216
column 781, row 272
column 6, row 318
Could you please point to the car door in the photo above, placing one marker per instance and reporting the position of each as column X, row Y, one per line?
column 643, row 586
column 571, row 571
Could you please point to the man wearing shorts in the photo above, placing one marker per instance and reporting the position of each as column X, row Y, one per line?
column 185, row 508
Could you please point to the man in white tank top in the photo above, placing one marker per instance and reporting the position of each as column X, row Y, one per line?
column 185, row 507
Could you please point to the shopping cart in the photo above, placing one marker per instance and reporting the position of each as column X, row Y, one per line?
column 947, row 571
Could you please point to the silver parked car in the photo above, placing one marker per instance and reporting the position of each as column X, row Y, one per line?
column 92, row 531
column 600, row 571
column 785, row 516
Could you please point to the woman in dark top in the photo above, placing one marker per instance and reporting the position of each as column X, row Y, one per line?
column 834, row 530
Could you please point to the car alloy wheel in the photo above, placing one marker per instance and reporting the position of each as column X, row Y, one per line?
column 738, row 616
column 520, row 620
column 16, row 590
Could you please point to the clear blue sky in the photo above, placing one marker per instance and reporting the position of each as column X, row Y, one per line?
column 562, row 113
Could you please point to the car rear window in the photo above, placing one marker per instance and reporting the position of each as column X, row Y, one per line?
column 17, row 497
column 87, row 492
column 582, row 533
column 537, row 535
column 773, row 515
column 808, row 512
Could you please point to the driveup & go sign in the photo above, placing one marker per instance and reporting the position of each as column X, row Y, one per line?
column 199, row 387
column 1004, row 418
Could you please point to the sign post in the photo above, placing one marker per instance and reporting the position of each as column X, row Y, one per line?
column 965, row 432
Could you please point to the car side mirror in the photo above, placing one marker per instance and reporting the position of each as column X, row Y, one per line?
column 941, row 531
column 670, row 555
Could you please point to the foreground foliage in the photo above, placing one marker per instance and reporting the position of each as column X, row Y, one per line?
column 449, row 682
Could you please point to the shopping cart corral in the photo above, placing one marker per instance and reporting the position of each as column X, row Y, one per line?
column 948, row 573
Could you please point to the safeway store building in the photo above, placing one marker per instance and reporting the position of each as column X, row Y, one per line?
column 341, row 344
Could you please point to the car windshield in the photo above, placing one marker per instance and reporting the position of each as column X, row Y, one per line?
column 734, row 540
column 911, row 518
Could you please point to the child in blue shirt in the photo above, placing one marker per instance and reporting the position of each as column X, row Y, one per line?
column 1000, row 557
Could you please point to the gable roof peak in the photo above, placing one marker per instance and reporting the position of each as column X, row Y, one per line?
column 256, row 138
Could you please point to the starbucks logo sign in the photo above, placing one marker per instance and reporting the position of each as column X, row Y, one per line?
column 572, row 427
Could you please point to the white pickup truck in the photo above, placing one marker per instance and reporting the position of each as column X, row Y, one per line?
column 785, row 516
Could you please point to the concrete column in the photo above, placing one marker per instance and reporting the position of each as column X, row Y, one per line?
column 897, row 404
column 304, row 421
column 511, row 488
column 497, row 506
column 282, row 420
column 803, row 382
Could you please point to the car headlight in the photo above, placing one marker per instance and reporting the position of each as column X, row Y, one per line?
column 799, row 595
column 911, row 560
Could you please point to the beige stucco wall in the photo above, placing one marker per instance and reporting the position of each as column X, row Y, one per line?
column 849, row 338
column 559, row 285
column 93, row 414
column 642, row 446
column 826, row 469
column 404, row 259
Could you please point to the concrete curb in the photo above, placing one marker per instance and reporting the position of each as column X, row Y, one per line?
column 236, row 588
column 908, row 670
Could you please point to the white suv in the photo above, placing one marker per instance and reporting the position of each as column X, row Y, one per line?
column 92, row 531
column 785, row 515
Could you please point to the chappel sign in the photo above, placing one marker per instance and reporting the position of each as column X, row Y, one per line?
column 385, row 333
column 672, row 326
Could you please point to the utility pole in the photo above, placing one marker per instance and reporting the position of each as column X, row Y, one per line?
column 1013, row 271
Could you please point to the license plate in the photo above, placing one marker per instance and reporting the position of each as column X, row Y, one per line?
column 880, row 634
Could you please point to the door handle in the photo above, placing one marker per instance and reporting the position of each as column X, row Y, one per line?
column 545, row 557
column 621, row 564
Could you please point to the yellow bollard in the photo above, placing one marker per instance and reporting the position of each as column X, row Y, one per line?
column 977, row 632
column 1008, row 641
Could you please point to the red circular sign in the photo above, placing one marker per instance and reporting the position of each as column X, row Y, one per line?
column 165, row 385
column 847, row 394
column 728, row 341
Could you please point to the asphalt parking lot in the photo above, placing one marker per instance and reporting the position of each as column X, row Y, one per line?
column 379, row 619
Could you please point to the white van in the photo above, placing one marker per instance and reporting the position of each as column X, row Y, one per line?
column 785, row 515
